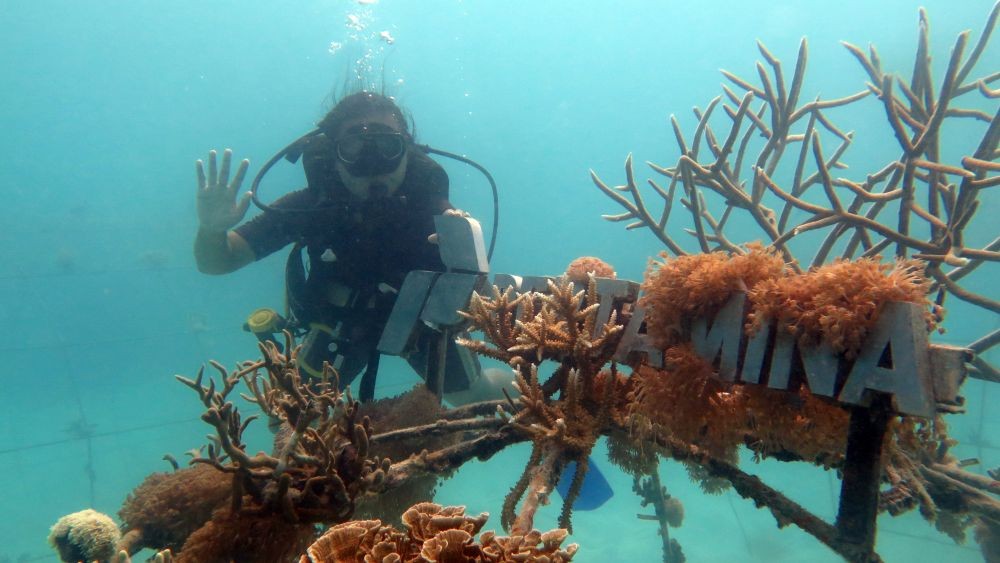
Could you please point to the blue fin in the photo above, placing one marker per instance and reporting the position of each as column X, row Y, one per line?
column 595, row 491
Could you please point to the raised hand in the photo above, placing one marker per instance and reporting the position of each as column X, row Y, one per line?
column 218, row 209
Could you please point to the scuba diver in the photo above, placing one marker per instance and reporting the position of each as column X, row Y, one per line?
column 364, row 220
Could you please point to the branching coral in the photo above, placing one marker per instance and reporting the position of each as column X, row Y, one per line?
column 848, row 217
column 669, row 511
column 918, row 206
column 561, row 326
column 322, row 466
column 214, row 510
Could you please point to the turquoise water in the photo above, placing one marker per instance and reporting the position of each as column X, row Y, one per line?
column 104, row 107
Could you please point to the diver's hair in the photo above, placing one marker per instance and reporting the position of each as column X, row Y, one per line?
column 360, row 104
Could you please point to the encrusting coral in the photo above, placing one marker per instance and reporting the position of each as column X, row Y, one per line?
column 435, row 533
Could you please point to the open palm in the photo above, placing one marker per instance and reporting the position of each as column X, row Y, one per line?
column 218, row 208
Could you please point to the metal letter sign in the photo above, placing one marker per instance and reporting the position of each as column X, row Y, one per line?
column 896, row 358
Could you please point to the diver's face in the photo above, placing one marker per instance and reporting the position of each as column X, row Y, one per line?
column 371, row 156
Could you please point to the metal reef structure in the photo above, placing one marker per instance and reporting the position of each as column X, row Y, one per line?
column 569, row 340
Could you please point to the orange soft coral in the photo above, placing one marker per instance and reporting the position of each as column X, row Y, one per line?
column 839, row 302
column 680, row 289
column 580, row 269
column 796, row 423
column 685, row 401
column 719, row 417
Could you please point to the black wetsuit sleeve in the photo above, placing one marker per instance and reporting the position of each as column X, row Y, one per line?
column 271, row 231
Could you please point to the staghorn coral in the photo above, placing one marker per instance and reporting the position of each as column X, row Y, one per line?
column 86, row 535
column 560, row 431
column 677, row 290
column 580, row 269
column 322, row 466
column 435, row 533
column 532, row 327
column 840, row 302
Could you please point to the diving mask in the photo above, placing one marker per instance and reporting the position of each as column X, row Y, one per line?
column 371, row 149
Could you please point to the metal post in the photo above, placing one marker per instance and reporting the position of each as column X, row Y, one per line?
column 859, row 492
column 436, row 363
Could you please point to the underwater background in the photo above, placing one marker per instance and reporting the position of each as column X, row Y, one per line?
column 105, row 106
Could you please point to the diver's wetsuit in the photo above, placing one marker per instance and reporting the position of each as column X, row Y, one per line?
column 359, row 252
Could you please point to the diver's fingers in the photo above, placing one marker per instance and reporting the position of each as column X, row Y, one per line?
column 213, row 170
column 243, row 204
column 227, row 159
column 199, row 168
column 241, row 172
